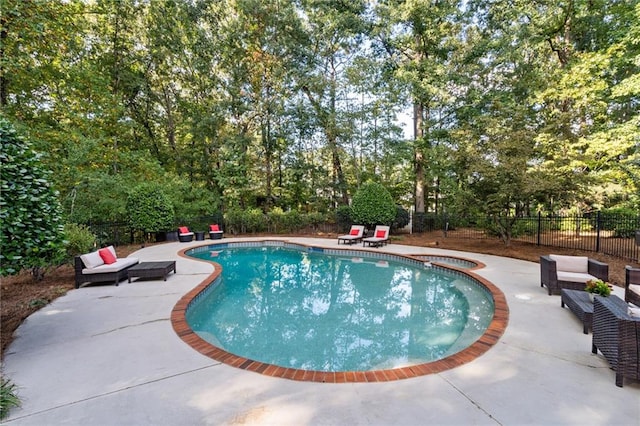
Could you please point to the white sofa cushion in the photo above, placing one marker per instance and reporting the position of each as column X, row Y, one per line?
column 635, row 288
column 186, row 234
column 571, row 263
column 575, row 277
column 114, row 267
column 633, row 310
column 92, row 260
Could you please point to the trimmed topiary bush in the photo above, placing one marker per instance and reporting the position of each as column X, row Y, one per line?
column 373, row 205
column 150, row 209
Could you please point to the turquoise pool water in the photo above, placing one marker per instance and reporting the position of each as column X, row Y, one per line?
column 314, row 311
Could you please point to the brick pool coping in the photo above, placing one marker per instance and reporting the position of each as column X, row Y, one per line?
column 492, row 334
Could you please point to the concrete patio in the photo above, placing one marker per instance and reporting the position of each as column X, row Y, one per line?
column 107, row 355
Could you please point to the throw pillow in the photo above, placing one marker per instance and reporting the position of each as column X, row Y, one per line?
column 183, row 230
column 107, row 256
column 215, row 228
column 92, row 260
column 380, row 234
column 354, row 232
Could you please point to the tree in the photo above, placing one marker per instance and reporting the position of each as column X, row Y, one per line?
column 373, row 205
column 30, row 213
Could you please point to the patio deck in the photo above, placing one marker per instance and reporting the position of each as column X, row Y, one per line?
column 108, row 355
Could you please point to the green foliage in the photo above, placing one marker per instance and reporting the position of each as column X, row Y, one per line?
column 79, row 239
column 509, row 112
column 32, row 230
column 402, row 218
column 372, row 205
column 245, row 221
column 622, row 221
column 343, row 218
column 598, row 286
column 8, row 397
column 290, row 221
column 150, row 209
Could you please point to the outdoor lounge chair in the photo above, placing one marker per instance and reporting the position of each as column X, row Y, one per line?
column 632, row 285
column 617, row 335
column 355, row 235
column 570, row 272
column 380, row 237
column 215, row 233
column 185, row 235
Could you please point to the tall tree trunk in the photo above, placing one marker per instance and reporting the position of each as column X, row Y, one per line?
column 328, row 122
column 418, row 156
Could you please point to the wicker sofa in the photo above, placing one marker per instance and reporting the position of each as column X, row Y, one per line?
column 617, row 335
column 632, row 285
column 91, row 268
column 570, row 272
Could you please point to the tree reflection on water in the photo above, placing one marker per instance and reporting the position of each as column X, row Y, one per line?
column 329, row 313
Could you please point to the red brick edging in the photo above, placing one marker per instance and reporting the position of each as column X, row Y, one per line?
column 492, row 334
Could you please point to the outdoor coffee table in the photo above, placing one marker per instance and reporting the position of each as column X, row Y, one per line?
column 152, row 269
column 580, row 304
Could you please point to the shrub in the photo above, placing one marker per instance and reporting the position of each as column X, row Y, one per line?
column 79, row 239
column 150, row 210
column 30, row 212
column 233, row 220
column 373, row 205
column 8, row 397
column 343, row 218
column 254, row 220
column 402, row 218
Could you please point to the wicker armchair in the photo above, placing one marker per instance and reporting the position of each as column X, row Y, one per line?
column 558, row 272
column 632, row 285
column 616, row 334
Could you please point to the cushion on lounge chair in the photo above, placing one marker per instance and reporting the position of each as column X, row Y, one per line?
column 107, row 256
column 354, row 231
column 571, row 263
column 92, row 260
column 114, row 267
column 380, row 234
column 575, row 277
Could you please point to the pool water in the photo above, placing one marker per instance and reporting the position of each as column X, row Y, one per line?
column 315, row 311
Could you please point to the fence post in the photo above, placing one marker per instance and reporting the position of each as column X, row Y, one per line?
column 597, row 231
column 539, row 227
column 445, row 224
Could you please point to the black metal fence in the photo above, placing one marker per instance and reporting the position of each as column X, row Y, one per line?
column 613, row 234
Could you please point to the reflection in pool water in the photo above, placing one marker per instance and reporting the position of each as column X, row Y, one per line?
column 314, row 311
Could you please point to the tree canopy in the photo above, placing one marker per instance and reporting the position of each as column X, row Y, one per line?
column 462, row 107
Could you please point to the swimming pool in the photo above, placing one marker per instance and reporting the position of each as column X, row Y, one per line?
column 426, row 313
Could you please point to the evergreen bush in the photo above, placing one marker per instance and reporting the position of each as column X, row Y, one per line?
column 373, row 205
column 150, row 210
column 30, row 213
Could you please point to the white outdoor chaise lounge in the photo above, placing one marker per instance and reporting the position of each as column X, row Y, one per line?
column 354, row 236
column 380, row 237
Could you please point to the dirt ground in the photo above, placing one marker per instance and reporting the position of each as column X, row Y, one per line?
column 20, row 296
